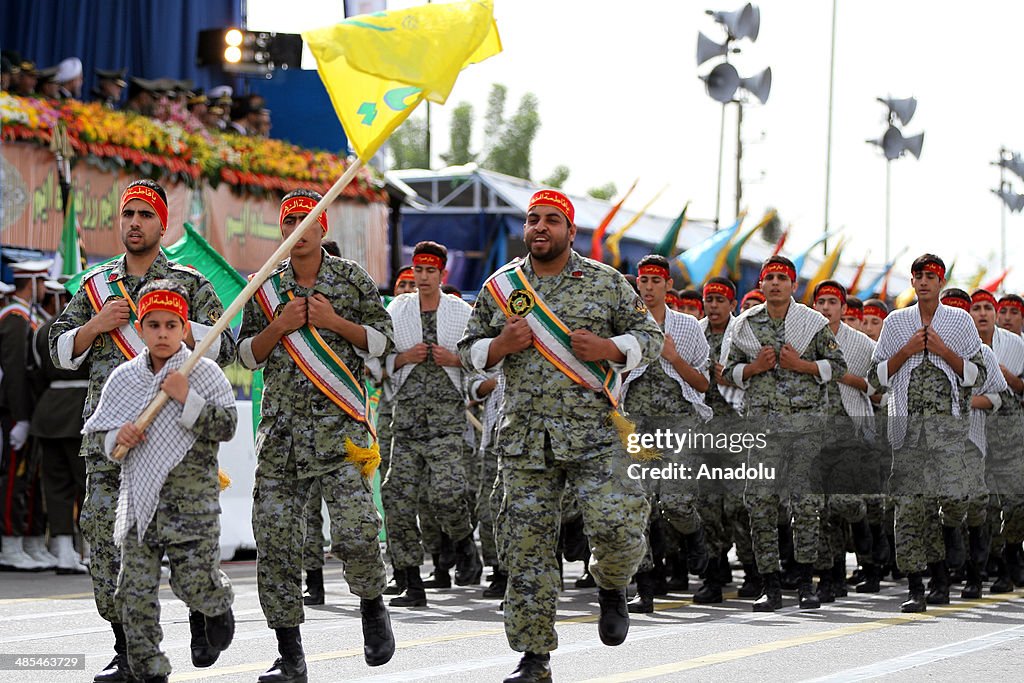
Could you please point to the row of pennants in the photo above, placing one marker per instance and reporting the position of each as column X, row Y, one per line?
column 719, row 254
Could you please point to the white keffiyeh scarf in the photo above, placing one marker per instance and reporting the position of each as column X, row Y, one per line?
column 452, row 316
column 732, row 395
column 692, row 346
column 802, row 323
column 493, row 409
column 1009, row 349
column 958, row 333
column 995, row 383
column 127, row 392
column 857, row 349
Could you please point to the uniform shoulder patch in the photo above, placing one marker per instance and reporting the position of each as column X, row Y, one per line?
column 639, row 304
column 833, row 344
column 181, row 267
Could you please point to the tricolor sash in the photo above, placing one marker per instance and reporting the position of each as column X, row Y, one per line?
column 98, row 288
column 316, row 360
column 515, row 296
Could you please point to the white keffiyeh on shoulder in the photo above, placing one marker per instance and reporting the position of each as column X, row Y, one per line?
column 857, row 349
column 493, row 409
column 995, row 383
column 1009, row 349
column 127, row 392
column 692, row 346
column 802, row 323
column 732, row 395
column 958, row 333
column 452, row 316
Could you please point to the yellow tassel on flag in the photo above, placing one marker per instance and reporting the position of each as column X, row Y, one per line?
column 367, row 459
column 223, row 480
column 625, row 428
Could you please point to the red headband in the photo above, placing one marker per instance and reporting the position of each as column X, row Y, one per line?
column 957, row 302
column 673, row 299
column 163, row 300
column 718, row 288
column 148, row 195
column 653, row 269
column 857, row 313
column 428, row 260
column 756, row 294
column 932, row 267
column 406, row 274
column 690, row 301
column 876, row 311
column 555, row 199
column 1010, row 303
column 302, row 205
column 776, row 267
column 831, row 290
column 983, row 295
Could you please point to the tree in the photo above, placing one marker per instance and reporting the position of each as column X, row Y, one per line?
column 461, row 135
column 409, row 144
column 510, row 154
column 557, row 178
column 494, row 117
column 606, row 191
column 772, row 231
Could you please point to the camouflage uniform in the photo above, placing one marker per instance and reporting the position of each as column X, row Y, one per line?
column 488, row 496
column 556, row 434
column 1004, row 470
column 312, row 531
column 301, row 440
column 788, row 407
column 426, row 457
column 186, row 526
column 102, row 475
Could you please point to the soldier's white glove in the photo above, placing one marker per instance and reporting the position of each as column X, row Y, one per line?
column 19, row 434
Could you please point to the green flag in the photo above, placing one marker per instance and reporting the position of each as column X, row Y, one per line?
column 192, row 250
column 69, row 255
column 667, row 246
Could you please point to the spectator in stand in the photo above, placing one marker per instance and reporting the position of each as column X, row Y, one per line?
column 46, row 84
column 264, row 125
column 24, row 76
column 69, row 79
column 141, row 96
column 6, row 72
column 110, row 85
column 198, row 104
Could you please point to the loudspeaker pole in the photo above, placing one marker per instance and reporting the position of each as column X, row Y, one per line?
column 828, row 143
column 888, row 193
column 739, row 155
column 1002, row 212
column 721, row 156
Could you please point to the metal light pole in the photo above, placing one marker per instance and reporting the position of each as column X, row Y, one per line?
column 1011, row 200
column 894, row 145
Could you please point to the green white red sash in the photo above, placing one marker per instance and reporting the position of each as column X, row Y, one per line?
column 99, row 288
column 316, row 360
column 515, row 296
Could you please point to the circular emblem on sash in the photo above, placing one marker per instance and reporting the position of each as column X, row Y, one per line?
column 521, row 302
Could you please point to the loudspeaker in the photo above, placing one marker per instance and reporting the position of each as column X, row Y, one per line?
column 1015, row 202
column 743, row 23
column 1014, row 164
column 913, row 144
column 759, row 86
column 893, row 144
column 708, row 49
column 722, row 82
column 903, row 109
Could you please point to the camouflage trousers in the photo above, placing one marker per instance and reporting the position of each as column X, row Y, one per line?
column 430, row 527
column 313, row 543
column 434, row 462
column 918, row 532
column 725, row 520
column 488, row 499
column 971, row 507
column 614, row 512
column 277, row 521
column 196, row 580
column 840, row 510
column 102, row 485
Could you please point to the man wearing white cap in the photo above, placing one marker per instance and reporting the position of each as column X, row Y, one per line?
column 69, row 78
column 22, row 525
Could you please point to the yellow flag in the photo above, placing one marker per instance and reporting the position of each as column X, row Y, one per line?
column 906, row 297
column 378, row 67
column 825, row 271
column 613, row 240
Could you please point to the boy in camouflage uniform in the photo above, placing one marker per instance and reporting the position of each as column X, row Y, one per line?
column 782, row 354
column 556, row 431
column 168, row 500
column 96, row 328
column 315, row 311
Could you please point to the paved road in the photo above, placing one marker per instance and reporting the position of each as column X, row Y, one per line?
column 459, row 637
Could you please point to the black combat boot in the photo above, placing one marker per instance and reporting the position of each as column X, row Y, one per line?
column 468, row 567
column 771, row 593
column 724, row 570
column 825, row 591
column 956, row 554
column 938, row 593
column 643, row 601
column 498, row 585
column 696, row 551
column 533, row 668
column 752, row 584
column 679, row 574
column 711, row 591
column 442, row 576
column 872, row 580
column 979, row 542
column 203, row 654
column 1014, row 557
column 880, row 555
column 397, row 584
column 805, row 589
column 972, row 581
column 378, row 639
column 1003, row 582
column 314, row 587
column 839, row 578
column 862, row 540
column 220, row 630
column 290, row 667
column 916, row 602
column 614, row 622
column 117, row 671
column 413, row 595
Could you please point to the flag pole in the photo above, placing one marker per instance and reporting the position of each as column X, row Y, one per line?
column 257, row 280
